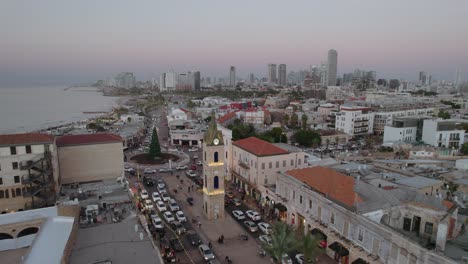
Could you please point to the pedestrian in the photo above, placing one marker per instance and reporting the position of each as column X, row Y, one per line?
column 210, row 245
column 188, row 189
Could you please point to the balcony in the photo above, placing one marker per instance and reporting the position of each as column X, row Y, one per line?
column 243, row 165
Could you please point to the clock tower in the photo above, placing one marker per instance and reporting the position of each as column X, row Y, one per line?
column 213, row 172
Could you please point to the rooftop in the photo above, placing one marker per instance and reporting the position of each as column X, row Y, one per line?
column 26, row 138
column 259, row 147
column 71, row 140
column 330, row 182
column 418, row 182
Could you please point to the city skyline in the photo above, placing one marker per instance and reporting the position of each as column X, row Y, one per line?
column 53, row 41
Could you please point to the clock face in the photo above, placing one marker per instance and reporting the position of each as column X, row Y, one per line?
column 216, row 141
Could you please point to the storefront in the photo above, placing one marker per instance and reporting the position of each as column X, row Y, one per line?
column 323, row 238
column 282, row 211
column 341, row 254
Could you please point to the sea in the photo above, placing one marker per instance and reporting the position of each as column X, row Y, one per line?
column 26, row 109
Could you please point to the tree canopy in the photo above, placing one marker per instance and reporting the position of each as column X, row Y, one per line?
column 444, row 114
column 464, row 148
column 307, row 138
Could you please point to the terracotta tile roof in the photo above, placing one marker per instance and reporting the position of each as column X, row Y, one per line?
column 331, row 183
column 226, row 117
column 26, row 138
column 85, row 139
column 259, row 147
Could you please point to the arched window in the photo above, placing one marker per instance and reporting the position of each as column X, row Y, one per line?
column 28, row 231
column 18, row 191
column 216, row 159
column 5, row 236
column 2, row 194
column 216, row 182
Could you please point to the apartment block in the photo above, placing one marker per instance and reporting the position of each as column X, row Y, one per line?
column 443, row 133
column 354, row 120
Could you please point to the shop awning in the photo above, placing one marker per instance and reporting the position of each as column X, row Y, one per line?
column 317, row 232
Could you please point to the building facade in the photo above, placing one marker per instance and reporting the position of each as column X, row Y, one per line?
column 332, row 66
column 443, row 133
column 254, row 164
column 272, row 73
column 385, row 118
column 354, row 121
column 282, row 74
column 232, row 76
column 26, row 176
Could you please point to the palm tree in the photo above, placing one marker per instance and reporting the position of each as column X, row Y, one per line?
column 304, row 121
column 285, row 119
column 308, row 247
column 283, row 241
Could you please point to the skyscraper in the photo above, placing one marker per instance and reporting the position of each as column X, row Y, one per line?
column 232, row 76
column 196, row 81
column 251, row 78
column 458, row 77
column 422, row 78
column 282, row 74
column 272, row 73
column 332, row 65
column 324, row 73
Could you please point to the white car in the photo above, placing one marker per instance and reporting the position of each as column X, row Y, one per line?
column 173, row 206
column 195, row 156
column 286, row 259
column 128, row 169
column 181, row 216
column 156, row 197
column 251, row 226
column 173, row 149
column 239, row 215
column 199, row 163
column 149, row 171
column 264, row 227
column 253, row 215
column 191, row 174
column 169, row 217
column 165, row 197
column 206, row 252
column 158, row 223
column 149, row 204
column 265, row 239
column 300, row 258
column 193, row 149
column 180, row 167
column 144, row 194
column 161, row 190
column 161, row 206
column 165, row 170
column 161, row 184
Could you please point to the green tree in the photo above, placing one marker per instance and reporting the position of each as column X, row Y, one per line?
column 293, row 120
column 190, row 104
column 444, row 114
column 464, row 149
column 129, row 119
column 155, row 148
column 304, row 121
column 285, row 119
column 308, row 246
column 307, row 138
column 283, row 241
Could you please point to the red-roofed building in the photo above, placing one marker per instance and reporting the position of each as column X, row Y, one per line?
column 255, row 163
column 227, row 119
column 22, row 158
column 89, row 157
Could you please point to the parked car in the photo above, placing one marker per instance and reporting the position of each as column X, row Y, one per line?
column 175, row 244
column 129, row 169
column 286, row 259
column 195, row 156
column 251, row 226
column 162, row 189
column 193, row 149
column 165, row 197
column 264, row 227
column 300, row 259
column 237, row 202
column 206, row 252
column 193, row 167
column 190, row 200
column 162, row 170
column 156, row 197
column 239, row 215
column 178, row 227
column 265, row 239
column 169, row 217
column 161, row 184
column 199, row 163
column 191, row 174
column 149, row 171
column 180, row 216
column 161, row 206
column 172, row 149
column 194, row 238
column 180, row 167
column 149, row 204
column 253, row 215
column 173, row 205
column 144, row 194
column 157, row 223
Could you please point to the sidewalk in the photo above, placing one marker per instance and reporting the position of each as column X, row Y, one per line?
column 238, row 250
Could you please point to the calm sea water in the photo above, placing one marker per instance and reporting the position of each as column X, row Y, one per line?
column 24, row 109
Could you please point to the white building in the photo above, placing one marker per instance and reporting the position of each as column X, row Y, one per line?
column 332, row 65
column 255, row 116
column 402, row 130
column 443, row 133
column 23, row 159
column 176, row 114
column 254, row 164
column 354, row 120
column 227, row 137
column 167, row 81
column 385, row 118
column 132, row 118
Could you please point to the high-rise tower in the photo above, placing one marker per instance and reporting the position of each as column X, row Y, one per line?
column 272, row 73
column 282, row 74
column 232, row 76
column 332, row 66
column 213, row 172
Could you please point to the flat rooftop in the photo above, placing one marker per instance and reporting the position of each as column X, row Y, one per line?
column 117, row 243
